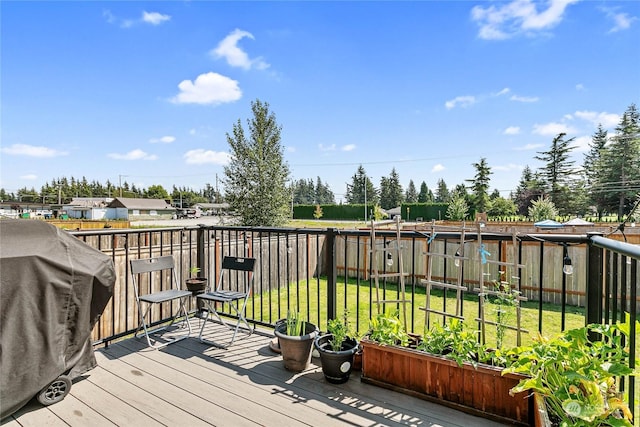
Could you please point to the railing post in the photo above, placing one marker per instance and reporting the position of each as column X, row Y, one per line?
column 594, row 282
column 200, row 258
column 332, row 272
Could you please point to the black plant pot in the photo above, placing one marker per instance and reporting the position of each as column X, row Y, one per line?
column 336, row 365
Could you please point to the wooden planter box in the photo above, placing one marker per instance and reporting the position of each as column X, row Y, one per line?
column 481, row 391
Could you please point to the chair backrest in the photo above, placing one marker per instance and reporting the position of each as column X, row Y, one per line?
column 150, row 265
column 232, row 264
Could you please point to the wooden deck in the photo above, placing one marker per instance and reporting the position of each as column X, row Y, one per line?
column 192, row 384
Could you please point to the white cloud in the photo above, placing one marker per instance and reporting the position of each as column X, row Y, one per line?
column 524, row 98
column 621, row 21
column 290, row 149
column 236, row 57
column 201, row 157
column 462, row 101
column 154, row 18
column 209, row 88
column 32, row 151
column 323, row 147
column 164, row 140
column 581, row 143
column 505, row 20
column 507, row 168
column 552, row 129
column 29, row 177
column 348, row 147
column 580, row 87
column 504, row 91
column 136, row 154
column 511, row 130
column 437, row 168
column 529, row 147
column 192, row 131
column 607, row 120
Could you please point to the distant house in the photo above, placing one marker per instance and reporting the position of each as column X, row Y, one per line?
column 88, row 208
column 134, row 209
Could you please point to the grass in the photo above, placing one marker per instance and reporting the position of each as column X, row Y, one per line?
column 304, row 297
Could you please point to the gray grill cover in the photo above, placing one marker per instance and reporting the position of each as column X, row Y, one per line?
column 53, row 288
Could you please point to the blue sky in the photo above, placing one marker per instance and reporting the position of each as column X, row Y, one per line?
column 146, row 91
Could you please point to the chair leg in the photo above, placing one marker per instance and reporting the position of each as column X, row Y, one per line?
column 241, row 318
column 182, row 310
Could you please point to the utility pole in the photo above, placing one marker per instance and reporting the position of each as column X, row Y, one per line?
column 365, row 198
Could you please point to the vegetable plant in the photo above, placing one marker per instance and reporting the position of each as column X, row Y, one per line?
column 339, row 329
column 577, row 376
column 294, row 323
column 453, row 341
column 386, row 328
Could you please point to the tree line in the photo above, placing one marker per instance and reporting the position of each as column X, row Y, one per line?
column 258, row 186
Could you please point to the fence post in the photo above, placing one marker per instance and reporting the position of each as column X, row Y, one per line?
column 594, row 282
column 332, row 272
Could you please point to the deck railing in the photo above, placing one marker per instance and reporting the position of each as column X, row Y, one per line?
column 323, row 272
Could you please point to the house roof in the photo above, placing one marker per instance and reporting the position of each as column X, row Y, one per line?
column 132, row 203
column 88, row 202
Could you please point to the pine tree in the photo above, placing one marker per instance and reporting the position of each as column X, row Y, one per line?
column 411, row 196
column 356, row 192
column 425, row 195
column 256, row 177
column 480, row 185
column 558, row 170
column 621, row 164
column 442, row 192
column 592, row 170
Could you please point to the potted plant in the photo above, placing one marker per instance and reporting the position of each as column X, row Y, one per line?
column 196, row 284
column 453, row 375
column 296, row 337
column 337, row 350
column 577, row 376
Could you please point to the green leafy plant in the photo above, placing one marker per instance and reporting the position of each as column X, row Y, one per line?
column 194, row 271
column 386, row 328
column 577, row 376
column 504, row 300
column 453, row 341
column 340, row 331
column 294, row 323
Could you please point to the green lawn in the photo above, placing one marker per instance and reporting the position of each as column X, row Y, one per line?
column 295, row 297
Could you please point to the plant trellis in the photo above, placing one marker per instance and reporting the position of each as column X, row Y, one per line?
column 430, row 282
column 389, row 248
column 504, row 292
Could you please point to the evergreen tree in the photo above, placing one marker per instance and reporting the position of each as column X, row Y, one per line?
column 480, row 185
column 458, row 208
column 391, row 194
column 592, row 170
column 621, row 164
column 529, row 188
column 411, row 196
column 324, row 195
column 256, row 176
column 442, row 192
column 542, row 209
column 356, row 192
column 425, row 195
column 558, row 170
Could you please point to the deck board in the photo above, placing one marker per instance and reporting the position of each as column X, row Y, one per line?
column 194, row 384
